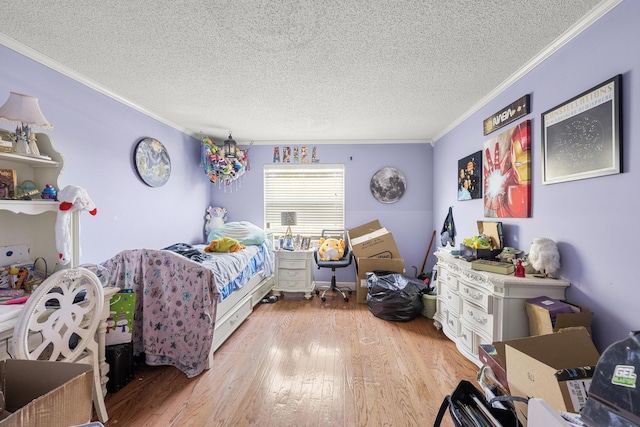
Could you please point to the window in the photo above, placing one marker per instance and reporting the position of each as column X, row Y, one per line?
column 314, row 191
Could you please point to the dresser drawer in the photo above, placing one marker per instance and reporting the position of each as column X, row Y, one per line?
column 478, row 296
column 470, row 339
column 477, row 318
column 451, row 299
column 448, row 279
column 292, row 264
column 466, row 339
column 452, row 324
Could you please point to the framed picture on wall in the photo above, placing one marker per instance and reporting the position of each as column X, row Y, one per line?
column 507, row 173
column 470, row 177
column 581, row 138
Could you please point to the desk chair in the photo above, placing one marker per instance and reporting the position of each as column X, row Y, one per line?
column 64, row 312
column 345, row 261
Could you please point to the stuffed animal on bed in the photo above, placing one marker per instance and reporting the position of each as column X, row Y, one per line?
column 330, row 249
column 215, row 218
column 224, row 244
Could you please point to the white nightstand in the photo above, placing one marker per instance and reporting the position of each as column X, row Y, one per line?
column 293, row 272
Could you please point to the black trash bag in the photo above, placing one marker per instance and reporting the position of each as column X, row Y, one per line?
column 394, row 296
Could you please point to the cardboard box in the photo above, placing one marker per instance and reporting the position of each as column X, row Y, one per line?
column 541, row 320
column 45, row 393
column 556, row 367
column 492, row 229
column 372, row 241
column 365, row 265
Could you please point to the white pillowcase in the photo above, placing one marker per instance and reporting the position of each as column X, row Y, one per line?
column 244, row 232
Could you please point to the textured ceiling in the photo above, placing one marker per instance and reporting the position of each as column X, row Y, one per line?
column 287, row 70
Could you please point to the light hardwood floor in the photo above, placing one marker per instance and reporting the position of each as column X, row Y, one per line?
column 305, row 363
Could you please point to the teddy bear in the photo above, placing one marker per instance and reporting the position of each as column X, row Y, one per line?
column 330, row 249
column 224, row 244
column 215, row 217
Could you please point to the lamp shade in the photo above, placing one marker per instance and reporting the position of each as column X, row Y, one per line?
column 288, row 218
column 23, row 109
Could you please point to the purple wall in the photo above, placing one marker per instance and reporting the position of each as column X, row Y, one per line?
column 594, row 221
column 409, row 219
column 96, row 135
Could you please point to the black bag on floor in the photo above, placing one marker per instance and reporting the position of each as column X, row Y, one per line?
column 394, row 296
column 469, row 408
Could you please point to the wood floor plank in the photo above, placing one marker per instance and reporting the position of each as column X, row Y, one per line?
column 304, row 363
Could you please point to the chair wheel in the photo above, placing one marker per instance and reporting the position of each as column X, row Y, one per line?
column 317, row 292
column 350, row 292
column 346, row 299
column 323, row 299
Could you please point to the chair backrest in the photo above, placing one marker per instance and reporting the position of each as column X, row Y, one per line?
column 65, row 312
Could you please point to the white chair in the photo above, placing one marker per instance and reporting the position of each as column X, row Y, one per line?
column 61, row 318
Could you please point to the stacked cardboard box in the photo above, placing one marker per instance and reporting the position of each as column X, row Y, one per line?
column 547, row 315
column 373, row 248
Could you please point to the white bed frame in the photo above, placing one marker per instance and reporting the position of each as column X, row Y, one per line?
column 235, row 308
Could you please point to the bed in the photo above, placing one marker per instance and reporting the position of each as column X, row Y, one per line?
column 180, row 289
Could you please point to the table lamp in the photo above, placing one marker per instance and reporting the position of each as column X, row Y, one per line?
column 24, row 111
column 288, row 219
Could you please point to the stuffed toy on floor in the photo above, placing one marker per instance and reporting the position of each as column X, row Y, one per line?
column 224, row 244
column 331, row 249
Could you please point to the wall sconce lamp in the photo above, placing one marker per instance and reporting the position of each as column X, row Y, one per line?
column 25, row 111
column 229, row 149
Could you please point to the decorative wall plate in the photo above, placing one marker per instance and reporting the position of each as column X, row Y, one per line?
column 152, row 162
column 388, row 185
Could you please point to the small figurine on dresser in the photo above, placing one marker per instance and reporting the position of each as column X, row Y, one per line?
column 519, row 269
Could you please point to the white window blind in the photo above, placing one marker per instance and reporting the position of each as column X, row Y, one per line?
column 314, row 191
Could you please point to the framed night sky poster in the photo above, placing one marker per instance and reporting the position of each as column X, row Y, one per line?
column 581, row 138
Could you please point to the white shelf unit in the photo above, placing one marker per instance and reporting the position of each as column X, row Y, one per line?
column 32, row 222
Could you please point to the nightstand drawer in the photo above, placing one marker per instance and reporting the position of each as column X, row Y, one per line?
column 299, row 275
column 292, row 264
column 292, row 285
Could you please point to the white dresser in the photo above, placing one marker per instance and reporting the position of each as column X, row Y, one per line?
column 478, row 307
column 293, row 272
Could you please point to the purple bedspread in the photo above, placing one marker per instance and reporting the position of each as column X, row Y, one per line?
column 176, row 302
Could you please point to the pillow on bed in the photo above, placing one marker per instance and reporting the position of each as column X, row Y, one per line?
column 243, row 231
